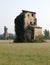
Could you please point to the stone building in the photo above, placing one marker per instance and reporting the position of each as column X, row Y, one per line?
column 26, row 25
column 5, row 33
column 32, row 32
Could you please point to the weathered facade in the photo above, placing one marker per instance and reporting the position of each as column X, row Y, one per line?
column 26, row 26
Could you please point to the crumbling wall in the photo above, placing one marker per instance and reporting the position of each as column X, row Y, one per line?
column 30, row 18
column 37, row 32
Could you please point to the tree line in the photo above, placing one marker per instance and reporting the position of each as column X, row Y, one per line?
column 10, row 36
column 46, row 35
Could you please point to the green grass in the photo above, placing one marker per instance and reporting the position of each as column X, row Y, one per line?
column 24, row 53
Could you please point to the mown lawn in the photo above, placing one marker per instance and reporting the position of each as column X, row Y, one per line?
column 24, row 53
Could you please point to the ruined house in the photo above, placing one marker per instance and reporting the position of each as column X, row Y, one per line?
column 5, row 33
column 26, row 26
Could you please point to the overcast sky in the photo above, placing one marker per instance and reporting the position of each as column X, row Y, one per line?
column 9, row 9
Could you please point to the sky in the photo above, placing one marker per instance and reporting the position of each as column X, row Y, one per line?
column 9, row 9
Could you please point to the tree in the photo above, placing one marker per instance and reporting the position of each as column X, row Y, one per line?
column 19, row 28
column 46, row 34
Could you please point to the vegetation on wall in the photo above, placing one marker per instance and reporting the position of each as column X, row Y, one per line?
column 38, row 39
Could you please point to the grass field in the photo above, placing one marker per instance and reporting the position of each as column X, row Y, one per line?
column 24, row 53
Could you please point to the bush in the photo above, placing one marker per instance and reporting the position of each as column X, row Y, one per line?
column 27, row 40
column 39, row 39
